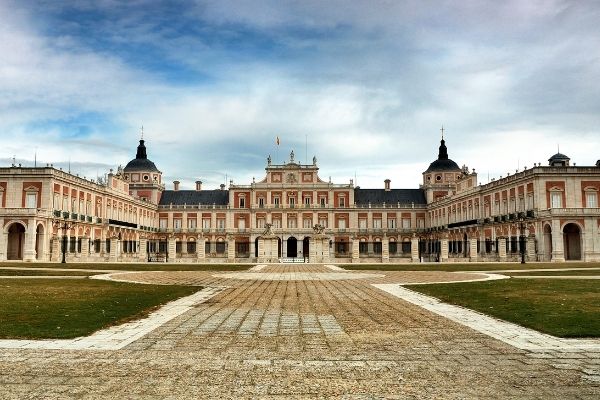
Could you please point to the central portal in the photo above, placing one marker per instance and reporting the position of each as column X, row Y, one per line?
column 292, row 247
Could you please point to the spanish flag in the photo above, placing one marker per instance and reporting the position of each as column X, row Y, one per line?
column 277, row 140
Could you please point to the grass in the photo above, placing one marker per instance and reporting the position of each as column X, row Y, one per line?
column 451, row 267
column 134, row 267
column 36, row 309
column 564, row 308
column 33, row 272
column 579, row 272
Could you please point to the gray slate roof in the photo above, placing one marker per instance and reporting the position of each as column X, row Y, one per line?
column 181, row 197
column 380, row 196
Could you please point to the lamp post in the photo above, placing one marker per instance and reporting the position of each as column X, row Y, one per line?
column 522, row 240
column 65, row 226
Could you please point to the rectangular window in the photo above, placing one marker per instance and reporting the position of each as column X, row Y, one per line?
column 530, row 202
column 276, row 201
column 241, row 224
column 392, row 223
column 220, row 247
column 306, row 223
column 57, row 201
column 420, row 223
column 591, row 200
column 206, row 223
column 192, row 223
column 307, row 201
column 242, row 202
column 377, row 223
column 377, row 247
column 162, row 224
column 221, row 224
column 342, row 224
column 323, row 222
column 261, row 202
column 405, row 223
column 277, row 223
column 260, row 223
column 177, row 223
column 556, row 199
column 292, row 202
column 31, row 200
column 342, row 202
column 191, row 247
column 362, row 223
column 291, row 223
column 322, row 201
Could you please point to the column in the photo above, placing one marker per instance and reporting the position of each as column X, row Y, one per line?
column 114, row 248
column 171, row 249
column 355, row 254
column 3, row 241
column 502, row 248
column 558, row 254
column 56, row 253
column 325, row 250
column 29, row 253
column 590, row 240
column 414, row 248
column 252, row 244
column 231, row 249
column 142, row 251
column 530, row 247
column 385, row 249
column 85, row 248
column 314, row 250
column 200, row 248
column 473, row 249
column 444, row 249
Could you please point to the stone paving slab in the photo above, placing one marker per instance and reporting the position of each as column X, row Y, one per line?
column 302, row 339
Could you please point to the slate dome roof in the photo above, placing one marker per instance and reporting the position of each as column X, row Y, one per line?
column 141, row 162
column 443, row 163
column 559, row 157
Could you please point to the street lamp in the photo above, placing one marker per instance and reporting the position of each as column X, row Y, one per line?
column 65, row 226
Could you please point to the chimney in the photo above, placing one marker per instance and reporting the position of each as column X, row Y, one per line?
column 222, row 186
column 175, row 185
column 198, row 186
column 387, row 185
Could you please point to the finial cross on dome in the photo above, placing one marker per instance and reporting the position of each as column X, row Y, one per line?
column 142, row 132
column 442, row 132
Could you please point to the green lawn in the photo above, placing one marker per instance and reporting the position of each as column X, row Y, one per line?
column 565, row 308
column 31, row 272
column 579, row 272
column 451, row 267
column 135, row 267
column 54, row 308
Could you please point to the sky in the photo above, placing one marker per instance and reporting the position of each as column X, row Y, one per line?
column 365, row 86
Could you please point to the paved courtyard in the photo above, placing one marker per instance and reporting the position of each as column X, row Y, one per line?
column 303, row 331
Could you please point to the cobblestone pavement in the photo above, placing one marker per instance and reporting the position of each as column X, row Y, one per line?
column 302, row 339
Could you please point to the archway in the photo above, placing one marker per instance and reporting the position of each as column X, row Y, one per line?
column 39, row 242
column 306, row 247
column 547, row 242
column 292, row 247
column 572, row 240
column 15, row 242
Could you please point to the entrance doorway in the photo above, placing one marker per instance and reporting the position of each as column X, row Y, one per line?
column 572, row 238
column 292, row 247
column 15, row 242
column 306, row 247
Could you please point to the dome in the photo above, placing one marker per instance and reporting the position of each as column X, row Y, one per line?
column 443, row 163
column 141, row 162
column 559, row 157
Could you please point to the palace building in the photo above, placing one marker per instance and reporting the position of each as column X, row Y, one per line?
column 543, row 213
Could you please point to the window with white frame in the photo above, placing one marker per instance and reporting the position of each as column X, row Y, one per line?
column 177, row 223
column 342, row 201
column 260, row 223
column 192, row 223
column 31, row 199
column 276, row 201
column 420, row 223
column 391, row 223
column 242, row 201
column 292, row 201
column 221, row 223
column 323, row 222
column 530, row 201
column 291, row 222
column 342, row 223
column 362, row 223
column 307, row 223
column 405, row 223
column 377, row 223
column 277, row 223
column 322, row 201
column 241, row 223
column 307, row 201
column 261, row 202
column 56, row 201
column 591, row 199
column 205, row 223
column 556, row 199
column 162, row 223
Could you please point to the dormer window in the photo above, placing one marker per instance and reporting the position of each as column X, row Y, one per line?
column 438, row 178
